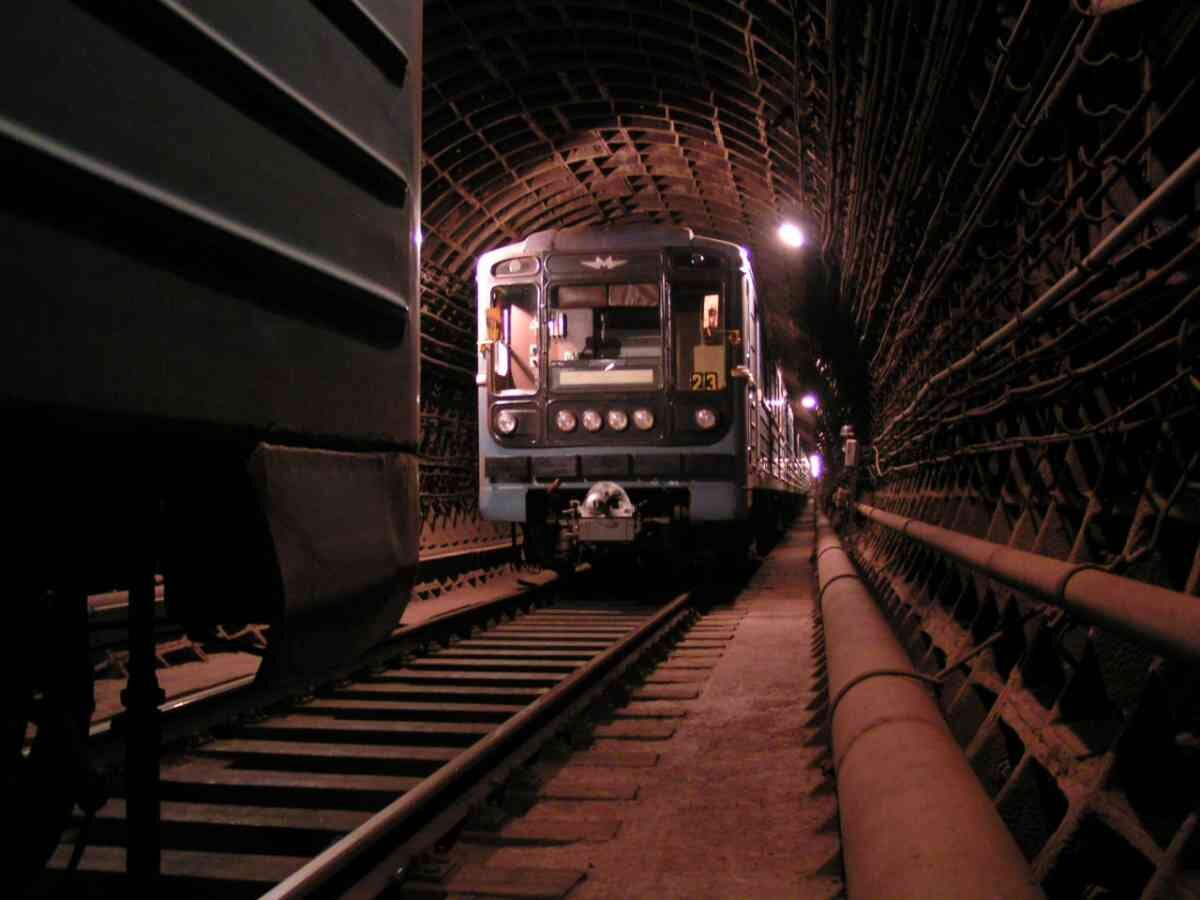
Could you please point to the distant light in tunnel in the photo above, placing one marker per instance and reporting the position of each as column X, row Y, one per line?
column 814, row 465
column 791, row 234
column 809, row 401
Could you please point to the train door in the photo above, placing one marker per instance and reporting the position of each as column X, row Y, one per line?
column 752, row 363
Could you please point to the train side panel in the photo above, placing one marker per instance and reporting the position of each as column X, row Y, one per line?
column 211, row 215
column 210, row 250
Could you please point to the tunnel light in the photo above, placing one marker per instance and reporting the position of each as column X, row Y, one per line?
column 814, row 465
column 809, row 401
column 791, row 234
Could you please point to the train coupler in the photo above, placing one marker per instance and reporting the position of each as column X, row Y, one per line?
column 606, row 515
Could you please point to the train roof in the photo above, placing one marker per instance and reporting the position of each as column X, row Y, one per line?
column 586, row 238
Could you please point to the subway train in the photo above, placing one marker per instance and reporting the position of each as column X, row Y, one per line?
column 209, row 362
column 625, row 405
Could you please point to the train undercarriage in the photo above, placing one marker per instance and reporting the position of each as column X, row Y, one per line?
column 650, row 528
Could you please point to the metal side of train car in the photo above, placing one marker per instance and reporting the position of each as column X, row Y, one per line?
column 209, row 241
column 211, row 260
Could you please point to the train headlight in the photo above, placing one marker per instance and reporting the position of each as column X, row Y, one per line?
column 706, row 419
column 565, row 420
column 592, row 420
column 618, row 420
column 506, row 422
column 643, row 419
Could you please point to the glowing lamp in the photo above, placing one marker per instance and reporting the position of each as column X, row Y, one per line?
column 809, row 401
column 791, row 234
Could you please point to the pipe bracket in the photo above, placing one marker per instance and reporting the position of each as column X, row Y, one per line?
column 1060, row 590
column 821, row 592
column 827, row 549
column 931, row 680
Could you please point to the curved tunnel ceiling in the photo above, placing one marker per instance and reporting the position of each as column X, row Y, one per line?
column 937, row 153
column 541, row 115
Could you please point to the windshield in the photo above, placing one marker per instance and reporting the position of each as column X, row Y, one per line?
column 513, row 320
column 605, row 335
column 698, row 321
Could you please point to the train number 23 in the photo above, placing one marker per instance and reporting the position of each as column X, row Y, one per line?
column 704, row 381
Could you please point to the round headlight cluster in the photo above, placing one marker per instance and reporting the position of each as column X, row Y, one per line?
column 706, row 419
column 593, row 421
column 506, row 422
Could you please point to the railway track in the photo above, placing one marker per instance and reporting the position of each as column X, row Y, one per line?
column 108, row 613
column 334, row 794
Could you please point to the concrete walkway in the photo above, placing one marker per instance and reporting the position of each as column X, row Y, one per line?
column 736, row 799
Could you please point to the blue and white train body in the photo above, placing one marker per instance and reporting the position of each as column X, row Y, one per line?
column 623, row 397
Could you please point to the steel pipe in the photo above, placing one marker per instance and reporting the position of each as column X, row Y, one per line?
column 1104, row 7
column 1165, row 620
column 915, row 821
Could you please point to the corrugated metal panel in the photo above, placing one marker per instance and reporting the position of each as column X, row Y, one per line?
column 212, row 213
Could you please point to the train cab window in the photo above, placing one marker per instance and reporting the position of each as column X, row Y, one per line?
column 513, row 324
column 698, row 320
column 605, row 335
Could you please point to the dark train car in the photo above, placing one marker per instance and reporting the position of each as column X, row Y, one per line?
column 209, row 246
column 624, row 403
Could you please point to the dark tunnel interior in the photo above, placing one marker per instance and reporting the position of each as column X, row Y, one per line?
column 998, row 292
column 257, row 402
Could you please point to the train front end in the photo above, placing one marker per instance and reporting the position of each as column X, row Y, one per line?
column 610, row 420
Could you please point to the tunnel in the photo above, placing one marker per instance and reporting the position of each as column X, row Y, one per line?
column 997, row 294
column 245, row 378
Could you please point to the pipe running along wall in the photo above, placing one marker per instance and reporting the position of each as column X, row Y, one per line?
column 915, row 821
column 1166, row 620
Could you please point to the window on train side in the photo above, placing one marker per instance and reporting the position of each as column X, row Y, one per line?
column 698, row 321
column 604, row 335
column 514, row 314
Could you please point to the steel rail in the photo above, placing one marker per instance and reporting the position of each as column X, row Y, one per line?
column 1104, row 7
column 204, row 707
column 114, row 601
column 915, row 821
column 432, row 554
column 1167, row 621
column 428, row 799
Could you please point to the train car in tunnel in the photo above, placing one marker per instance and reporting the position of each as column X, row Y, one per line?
column 624, row 402
column 209, row 362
